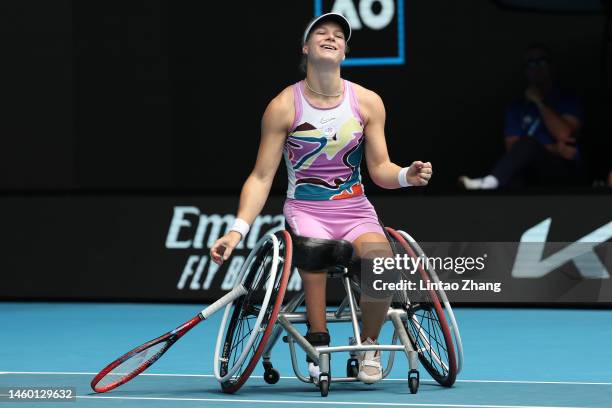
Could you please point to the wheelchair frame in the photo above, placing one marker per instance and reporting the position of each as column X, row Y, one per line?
column 321, row 355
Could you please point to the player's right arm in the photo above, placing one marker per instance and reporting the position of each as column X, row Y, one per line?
column 276, row 121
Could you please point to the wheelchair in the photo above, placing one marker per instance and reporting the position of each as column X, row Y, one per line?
column 424, row 329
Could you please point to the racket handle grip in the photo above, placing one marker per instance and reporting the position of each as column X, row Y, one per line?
column 223, row 301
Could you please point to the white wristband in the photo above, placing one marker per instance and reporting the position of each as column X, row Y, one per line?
column 401, row 177
column 240, row 226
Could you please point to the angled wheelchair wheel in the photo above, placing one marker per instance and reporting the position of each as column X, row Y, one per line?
column 248, row 321
column 446, row 306
column 427, row 325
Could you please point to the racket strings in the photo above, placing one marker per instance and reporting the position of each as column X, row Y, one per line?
column 133, row 363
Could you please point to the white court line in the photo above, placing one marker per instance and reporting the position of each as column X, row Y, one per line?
column 384, row 404
column 535, row 382
column 293, row 378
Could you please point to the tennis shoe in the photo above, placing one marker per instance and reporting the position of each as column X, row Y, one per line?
column 469, row 183
column 314, row 371
column 370, row 369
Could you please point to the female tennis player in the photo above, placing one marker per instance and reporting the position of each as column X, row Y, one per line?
column 321, row 126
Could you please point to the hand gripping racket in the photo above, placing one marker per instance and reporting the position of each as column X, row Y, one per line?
column 142, row 357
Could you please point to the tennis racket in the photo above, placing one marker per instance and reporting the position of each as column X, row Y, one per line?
column 142, row 357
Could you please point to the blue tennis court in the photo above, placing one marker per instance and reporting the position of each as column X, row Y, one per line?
column 513, row 358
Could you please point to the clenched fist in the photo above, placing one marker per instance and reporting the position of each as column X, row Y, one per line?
column 419, row 173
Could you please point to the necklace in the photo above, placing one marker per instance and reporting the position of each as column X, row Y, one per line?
column 321, row 93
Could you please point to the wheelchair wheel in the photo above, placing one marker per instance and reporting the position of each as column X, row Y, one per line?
column 450, row 315
column 427, row 326
column 248, row 321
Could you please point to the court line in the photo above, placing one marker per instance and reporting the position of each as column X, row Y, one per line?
column 293, row 378
column 384, row 404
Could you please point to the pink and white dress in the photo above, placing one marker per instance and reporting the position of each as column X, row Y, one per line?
column 323, row 154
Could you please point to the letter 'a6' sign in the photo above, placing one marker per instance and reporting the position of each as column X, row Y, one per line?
column 378, row 29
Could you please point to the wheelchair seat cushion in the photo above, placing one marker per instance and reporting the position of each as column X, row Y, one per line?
column 317, row 254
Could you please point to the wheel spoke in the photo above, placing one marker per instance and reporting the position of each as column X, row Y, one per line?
column 424, row 324
column 251, row 323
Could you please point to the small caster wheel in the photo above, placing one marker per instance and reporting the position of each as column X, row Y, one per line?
column 413, row 381
column 413, row 384
column 324, row 384
column 271, row 376
column 352, row 367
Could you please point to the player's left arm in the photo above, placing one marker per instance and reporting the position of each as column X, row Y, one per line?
column 382, row 170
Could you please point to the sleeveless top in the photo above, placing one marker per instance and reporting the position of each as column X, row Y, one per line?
column 324, row 148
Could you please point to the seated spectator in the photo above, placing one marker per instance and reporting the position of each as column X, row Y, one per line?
column 540, row 133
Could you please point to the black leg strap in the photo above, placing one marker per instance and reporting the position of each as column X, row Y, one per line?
column 317, row 339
